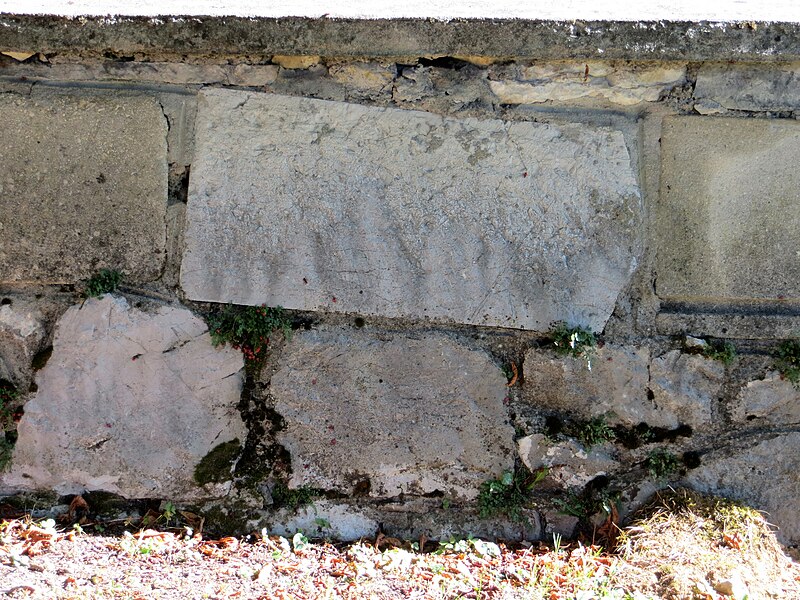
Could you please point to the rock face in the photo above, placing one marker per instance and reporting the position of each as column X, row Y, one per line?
column 130, row 402
column 320, row 205
column 727, row 215
column 687, row 385
column 22, row 333
column 568, row 461
column 97, row 169
column 764, row 475
column 391, row 414
column 616, row 386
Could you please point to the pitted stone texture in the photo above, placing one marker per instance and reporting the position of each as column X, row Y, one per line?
column 128, row 403
column 727, row 224
column 22, row 335
column 616, row 386
column 329, row 206
column 687, row 385
column 749, row 87
column 83, row 187
column 568, row 462
column 765, row 476
column 771, row 399
column 392, row 414
column 618, row 83
column 325, row 519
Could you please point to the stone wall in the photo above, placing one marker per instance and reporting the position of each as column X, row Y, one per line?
column 426, row 221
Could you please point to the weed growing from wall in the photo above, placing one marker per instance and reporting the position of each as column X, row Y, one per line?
column 725, row 352
column 249, row 328
column 578, row 342
column 661, row 464
column 104, row 282
column 509, row 494
column 787, row 361
column 595, row 432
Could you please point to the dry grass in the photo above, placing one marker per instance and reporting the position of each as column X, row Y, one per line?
column 687, row 545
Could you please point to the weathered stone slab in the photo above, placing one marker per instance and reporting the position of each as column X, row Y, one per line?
column 773, row 400
column 620, row 83
column 749, row 86
column 687, row 385
column 616, row 386
column 130, row 402
column 321, row 205
column 764, row 475
column 83, row 187
column 727, row 223
column 391, row 414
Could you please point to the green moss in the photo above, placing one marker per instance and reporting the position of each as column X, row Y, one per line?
column 215, row 467
column 662, row 463
column 725, row 352
column 248, row 328
column 226, row 520
column 294, row 499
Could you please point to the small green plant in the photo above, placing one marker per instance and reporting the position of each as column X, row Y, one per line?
column 577, row 341
column 595, row 432
column 725, row 352
column 168, row 513
column 588, row 502
column 248, row 328
column 787, row 361
column 104, row 282
column 509, row 494
column 661, row 463
column 294, row 499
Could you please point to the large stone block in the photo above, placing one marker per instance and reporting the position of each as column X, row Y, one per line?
column 321, row 205
column 764, row 475
column 728, row 226
column 130, row 402
column 391, row 414
column 83, row 187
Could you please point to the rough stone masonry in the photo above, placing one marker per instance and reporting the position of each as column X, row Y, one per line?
column 427, row 200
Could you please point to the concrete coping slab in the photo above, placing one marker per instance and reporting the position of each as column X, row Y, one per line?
column 652, row 30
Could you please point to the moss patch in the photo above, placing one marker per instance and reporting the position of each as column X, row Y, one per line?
column 215, row 467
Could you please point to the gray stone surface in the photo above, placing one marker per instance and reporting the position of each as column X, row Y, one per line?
column 624, row 84
column 22, row 334
column 83, row 187
column 772, row 399
column 737, row 322
column 568, row 462
column 338, row 207
column 764, row 475
column 391, row 414
column 749, row 86
column 687, row 385
column 727, row 225
column 129, row 403
column 616, row 386
column 324, row 519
